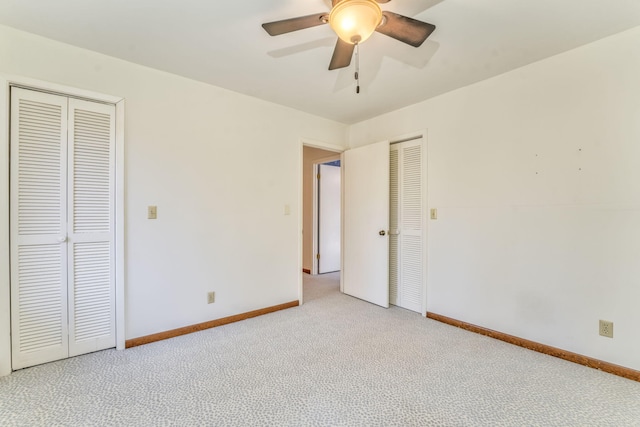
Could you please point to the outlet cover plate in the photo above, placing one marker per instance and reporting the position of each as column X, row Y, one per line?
column 606, row 328
column 211, row 297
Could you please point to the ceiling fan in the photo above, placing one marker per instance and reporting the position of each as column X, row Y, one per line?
column 354, row 21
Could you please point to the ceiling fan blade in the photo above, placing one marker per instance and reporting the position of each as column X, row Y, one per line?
column 341, row 55
column 294, row 24
column 407, row 30
column 383, row 1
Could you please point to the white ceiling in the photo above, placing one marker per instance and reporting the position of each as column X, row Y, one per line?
column 222, row 43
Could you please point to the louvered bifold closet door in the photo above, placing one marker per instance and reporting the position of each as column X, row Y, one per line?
column 38, row 228
column 394, row 217
column 406, row 257
column 91, row 227
column 411, row 226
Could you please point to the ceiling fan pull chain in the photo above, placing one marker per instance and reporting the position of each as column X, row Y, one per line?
column 357, row 75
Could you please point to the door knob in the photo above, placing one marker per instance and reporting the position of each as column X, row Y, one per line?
column 62, row 239
column 382, row 232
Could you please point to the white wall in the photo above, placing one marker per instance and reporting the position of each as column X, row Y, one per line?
column 220, row 167
column 536, row 177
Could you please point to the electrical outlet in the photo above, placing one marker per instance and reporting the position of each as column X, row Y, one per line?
column 211, row 297
column 606, row 328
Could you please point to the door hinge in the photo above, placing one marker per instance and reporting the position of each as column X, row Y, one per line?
column 318, row 176
column 318, row 256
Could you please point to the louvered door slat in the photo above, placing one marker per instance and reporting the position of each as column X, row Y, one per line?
column 92, row 165
column 412, row 272
column 38, row 217
column 92, row 291
column 92, row 285
column 411, row 188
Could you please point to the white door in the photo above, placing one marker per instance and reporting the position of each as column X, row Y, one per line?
column 62, row 278
column 328, row 218
column 365, row 268
column 91, row 247
column 38, row 218
column 406, row 242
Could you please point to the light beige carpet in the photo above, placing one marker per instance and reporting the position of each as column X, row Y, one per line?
column 334, row 361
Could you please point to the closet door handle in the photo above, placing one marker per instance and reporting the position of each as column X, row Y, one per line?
column 62, row 239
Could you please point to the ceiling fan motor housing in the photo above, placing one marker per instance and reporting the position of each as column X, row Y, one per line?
column 355, row 20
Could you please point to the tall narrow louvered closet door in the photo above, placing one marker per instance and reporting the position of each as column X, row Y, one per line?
column 62, row 280
column 406, row 230
column 39, row 330
column 91, row 227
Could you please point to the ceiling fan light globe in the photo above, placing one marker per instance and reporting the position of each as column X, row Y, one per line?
column 355, row 20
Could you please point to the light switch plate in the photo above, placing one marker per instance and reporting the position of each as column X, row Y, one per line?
column 434, row 213
column 152, row 212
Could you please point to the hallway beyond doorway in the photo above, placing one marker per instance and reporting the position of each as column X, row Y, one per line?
column 320, row 285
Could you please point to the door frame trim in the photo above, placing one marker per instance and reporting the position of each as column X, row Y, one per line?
column 6, row 81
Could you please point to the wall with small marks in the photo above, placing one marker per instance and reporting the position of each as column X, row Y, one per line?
column 536, row 178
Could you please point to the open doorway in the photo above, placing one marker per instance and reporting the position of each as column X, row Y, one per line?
column 315, row 157
column 311, row 158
